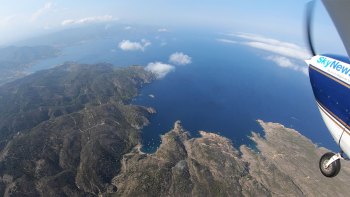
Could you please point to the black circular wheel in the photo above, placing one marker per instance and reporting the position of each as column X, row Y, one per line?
column 332, row 169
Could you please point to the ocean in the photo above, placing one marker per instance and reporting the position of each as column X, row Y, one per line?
column 225, row 89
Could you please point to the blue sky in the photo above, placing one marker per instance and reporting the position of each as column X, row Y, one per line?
column 279, row 19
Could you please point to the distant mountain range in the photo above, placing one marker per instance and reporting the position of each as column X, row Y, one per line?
column 14, row 60
column 71, row 131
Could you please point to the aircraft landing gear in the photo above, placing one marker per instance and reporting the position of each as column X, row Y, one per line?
column 330, row 164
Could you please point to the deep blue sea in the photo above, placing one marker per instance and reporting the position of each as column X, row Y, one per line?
column 225, row 89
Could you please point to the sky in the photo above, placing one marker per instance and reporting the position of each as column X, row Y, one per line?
column 279, row 19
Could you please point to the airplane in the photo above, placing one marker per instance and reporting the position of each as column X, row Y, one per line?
column 330, row 81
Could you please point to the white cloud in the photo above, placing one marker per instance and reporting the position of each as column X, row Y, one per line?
column 47, row 7
column 162, row 30
column 180, row 58
column 159, row 69
column 280, row 49
column 127, row 27
column 286, row 54
column 94, row 19
column 127, row 45
column 285, row 62
column 282, row 61
column 272, row 45
column 226, row 41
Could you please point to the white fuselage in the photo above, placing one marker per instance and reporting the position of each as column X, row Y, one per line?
column 330, row 81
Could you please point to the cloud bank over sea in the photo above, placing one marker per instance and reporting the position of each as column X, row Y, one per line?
column 283, row 54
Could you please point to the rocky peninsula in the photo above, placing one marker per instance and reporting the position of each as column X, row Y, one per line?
column 285, row 163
